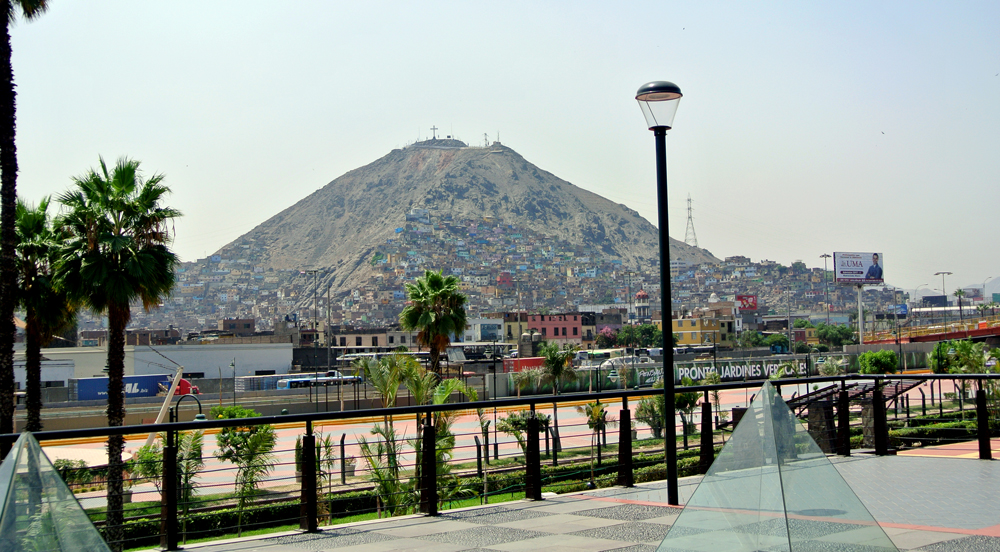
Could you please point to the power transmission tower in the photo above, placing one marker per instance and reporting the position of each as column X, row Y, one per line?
column 690, row 237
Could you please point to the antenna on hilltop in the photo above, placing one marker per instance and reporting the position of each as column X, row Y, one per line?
column 690, row 237
column 486, row 140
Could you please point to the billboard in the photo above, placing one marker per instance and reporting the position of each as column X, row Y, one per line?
column 935, row 300
column 858, row 268
column 747, row 302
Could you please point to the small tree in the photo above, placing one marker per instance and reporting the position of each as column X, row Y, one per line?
column 557, row 369
column 938, row 359
column 685, row 403
column 606, row 338
column 515, row 424
column 598, row 421
column 832, row 367
column 190, row 462
column 878, row 362
column 713, row 378
column 249, row 449
column 776, row 340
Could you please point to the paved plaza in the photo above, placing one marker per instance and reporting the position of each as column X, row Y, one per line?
column 927, row 504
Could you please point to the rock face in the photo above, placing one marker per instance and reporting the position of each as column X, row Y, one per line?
column 338, row 226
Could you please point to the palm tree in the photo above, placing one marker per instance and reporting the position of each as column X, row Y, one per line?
column 29, row 9
column 960, row 293
column 557, row 368
column 598, row 421
column 47, row 308
column 115, row 253
column 437, row 311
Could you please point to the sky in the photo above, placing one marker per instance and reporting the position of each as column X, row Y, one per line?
column 805, row 127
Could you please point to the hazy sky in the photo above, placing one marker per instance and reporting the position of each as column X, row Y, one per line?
column 805, row 127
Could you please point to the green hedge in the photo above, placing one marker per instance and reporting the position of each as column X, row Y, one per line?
column 221, row 522
column 934, row 434
column 562, row 479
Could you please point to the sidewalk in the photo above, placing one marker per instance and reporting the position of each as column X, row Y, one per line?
column 924, row 504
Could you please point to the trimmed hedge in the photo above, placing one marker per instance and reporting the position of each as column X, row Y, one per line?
column 934, row 434
column 561, row 479
column 139, row 532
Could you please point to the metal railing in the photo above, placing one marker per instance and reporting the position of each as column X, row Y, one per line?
column 322, row 489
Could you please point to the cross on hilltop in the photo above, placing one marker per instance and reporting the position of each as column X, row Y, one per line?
column 434, row 132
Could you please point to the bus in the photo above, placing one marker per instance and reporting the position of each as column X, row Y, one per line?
column 333, row 377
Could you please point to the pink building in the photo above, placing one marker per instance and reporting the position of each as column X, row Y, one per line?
column 565, row 329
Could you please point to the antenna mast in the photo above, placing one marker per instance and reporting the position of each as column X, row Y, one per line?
column 690, row 237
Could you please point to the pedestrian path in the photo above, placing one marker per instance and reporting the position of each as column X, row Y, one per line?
column 924, row 504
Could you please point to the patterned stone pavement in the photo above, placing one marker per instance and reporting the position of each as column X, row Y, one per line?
column 923, row 504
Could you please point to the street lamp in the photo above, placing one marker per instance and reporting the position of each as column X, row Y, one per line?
column 175, row 410
column 658, row 101
column 943, row 290
column 233, row 366
column 984, row 288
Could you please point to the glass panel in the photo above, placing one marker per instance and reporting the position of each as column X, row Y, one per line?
column 39, row 511
column 772, row 488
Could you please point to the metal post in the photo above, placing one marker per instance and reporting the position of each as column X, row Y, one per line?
column 168, row 512
column 343, row 473
column 983, row 423
column 923, row 402
column 532, row 461
column 479, row 456
column 625, row 476
column 707, row 452
column 670, row 429
column 308, row 508
column 844, row 423
column 486, row 443
column 428, row 470
column 881, row 428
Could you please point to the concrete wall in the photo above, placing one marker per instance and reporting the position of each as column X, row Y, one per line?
column 89, row 362
column 210, row 359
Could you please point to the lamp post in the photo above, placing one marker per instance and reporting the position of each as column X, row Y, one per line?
column 826, row 287
column 658, row 101
column 943, row 290
column 175, row 410
column 984, row 288
column 233, row 366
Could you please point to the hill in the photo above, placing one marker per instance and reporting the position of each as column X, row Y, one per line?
column 340, row 227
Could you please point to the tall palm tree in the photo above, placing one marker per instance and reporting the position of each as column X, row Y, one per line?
column 959, row 293
column 436, row 310
column 48, row 309
column 29, row 9
column 116, row 253
column 558, row 367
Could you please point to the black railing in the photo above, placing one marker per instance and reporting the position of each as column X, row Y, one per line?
column 318, row 475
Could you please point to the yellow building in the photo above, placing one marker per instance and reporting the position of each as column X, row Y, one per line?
column 703, row 331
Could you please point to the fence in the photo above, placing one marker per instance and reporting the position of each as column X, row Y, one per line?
column 431, row 457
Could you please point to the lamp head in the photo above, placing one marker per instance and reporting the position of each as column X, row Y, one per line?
column 199, row 417
column 658, row 101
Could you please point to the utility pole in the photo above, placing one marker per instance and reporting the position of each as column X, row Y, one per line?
column 826, row 287
column 788, row 323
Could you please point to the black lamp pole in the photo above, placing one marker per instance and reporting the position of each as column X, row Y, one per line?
column 658, row 101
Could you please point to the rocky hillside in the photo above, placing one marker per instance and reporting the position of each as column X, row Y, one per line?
column 338, row 226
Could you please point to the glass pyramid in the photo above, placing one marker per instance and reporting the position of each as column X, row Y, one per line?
column 38, row 511
column 773, row 489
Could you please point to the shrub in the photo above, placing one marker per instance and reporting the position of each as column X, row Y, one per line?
column 878, row 362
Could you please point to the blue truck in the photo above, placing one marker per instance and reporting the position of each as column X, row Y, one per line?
column 96, row 389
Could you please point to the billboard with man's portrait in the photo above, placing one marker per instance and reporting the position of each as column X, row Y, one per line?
column 858, row 268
